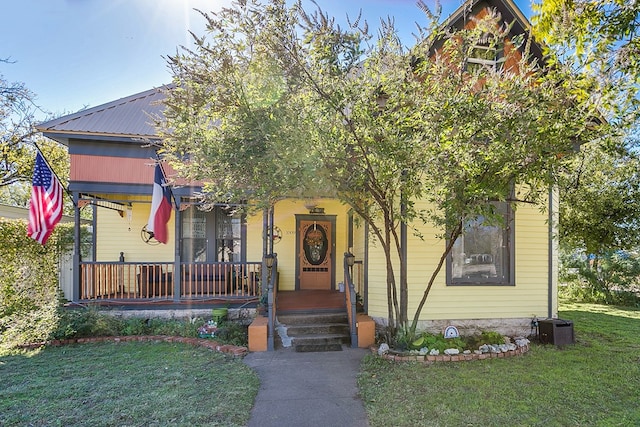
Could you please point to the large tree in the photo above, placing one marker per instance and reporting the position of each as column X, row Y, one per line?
column 381, row 125
column 18, row 140
column 16, row 120
column 600, row 208
column 597, row 37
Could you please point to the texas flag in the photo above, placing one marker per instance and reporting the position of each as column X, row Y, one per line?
column 160, row 207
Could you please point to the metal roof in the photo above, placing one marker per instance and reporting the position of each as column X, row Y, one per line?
column 131, row 116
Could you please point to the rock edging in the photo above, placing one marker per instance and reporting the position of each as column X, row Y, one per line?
column 232, row 350
column 427, row 358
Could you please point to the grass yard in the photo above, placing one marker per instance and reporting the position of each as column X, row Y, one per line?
column 125, row 384
column 595, row 382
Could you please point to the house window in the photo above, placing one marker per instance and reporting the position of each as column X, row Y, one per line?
column 228, row 236
column 194, row 235
column 211, row 236
column 483, row 254
column 486, row 55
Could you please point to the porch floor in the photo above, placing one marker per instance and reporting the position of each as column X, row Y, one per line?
column 312, row 300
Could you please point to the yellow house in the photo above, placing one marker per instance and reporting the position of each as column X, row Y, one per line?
column 495, row 278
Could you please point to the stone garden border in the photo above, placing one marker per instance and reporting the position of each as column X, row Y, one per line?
column 428, row 359
column 232, row 350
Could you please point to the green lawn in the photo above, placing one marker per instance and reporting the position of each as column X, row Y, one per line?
column 125, row 384
column 595, row 382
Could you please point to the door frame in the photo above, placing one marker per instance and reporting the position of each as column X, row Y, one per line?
column 317, row 217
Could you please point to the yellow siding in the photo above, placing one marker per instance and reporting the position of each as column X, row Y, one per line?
column 114, row 236
column 527, row 298
column 358, row 249
column 285, row 220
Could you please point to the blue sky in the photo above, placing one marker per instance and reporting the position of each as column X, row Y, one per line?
column 75, row 54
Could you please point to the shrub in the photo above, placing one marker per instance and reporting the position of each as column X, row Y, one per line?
column 90, row 322
column 610, row 278
column 29, row 290
column 85, row 322
column 438, row 342
column 404, row 342
column 233, row 333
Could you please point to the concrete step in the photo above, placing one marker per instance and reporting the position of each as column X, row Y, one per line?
column 321, row 339
column 315, row 331
column 318, row 329
column 313, row 318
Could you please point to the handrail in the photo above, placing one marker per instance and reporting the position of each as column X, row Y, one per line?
column 271, row 306
column 351, row 298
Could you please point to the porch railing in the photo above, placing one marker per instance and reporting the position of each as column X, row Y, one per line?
column 136, row 280
column 222, row 279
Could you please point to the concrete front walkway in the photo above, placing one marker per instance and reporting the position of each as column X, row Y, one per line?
column 307, row 389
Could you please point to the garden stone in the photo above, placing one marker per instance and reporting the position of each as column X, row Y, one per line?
column 434, row 352
column 423, row 351
column 484, row 348
column 451, row 351
column 383, row 349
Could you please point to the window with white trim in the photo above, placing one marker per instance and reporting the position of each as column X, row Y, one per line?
column 486, row 55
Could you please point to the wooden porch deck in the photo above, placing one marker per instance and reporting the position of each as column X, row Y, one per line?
column 312, row 300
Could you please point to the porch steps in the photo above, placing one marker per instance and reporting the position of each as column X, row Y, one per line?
column 307, row 332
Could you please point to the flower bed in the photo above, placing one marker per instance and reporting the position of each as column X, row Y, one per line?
column 520, row 346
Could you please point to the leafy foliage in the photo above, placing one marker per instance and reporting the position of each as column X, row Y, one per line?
column 93, row 322
column 16, row 117
column 29, row 290
column 29, row 281
column 18, row 137
column 600, row 198
column 597, row 37
column 406, row 340
column 610, row 277
column 231, row 121
column 276, row 102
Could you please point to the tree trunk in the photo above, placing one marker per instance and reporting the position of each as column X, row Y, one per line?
column 452, row 239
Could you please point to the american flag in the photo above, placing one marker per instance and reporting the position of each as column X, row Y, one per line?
column 45, row 209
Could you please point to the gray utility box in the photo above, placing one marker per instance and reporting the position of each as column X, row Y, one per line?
column 556, row 331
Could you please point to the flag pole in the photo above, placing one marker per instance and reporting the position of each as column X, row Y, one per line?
column 55, row 174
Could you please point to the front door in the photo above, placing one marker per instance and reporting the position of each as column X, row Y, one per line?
column 315, row 248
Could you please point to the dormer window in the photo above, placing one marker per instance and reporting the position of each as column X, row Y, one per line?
column 487, row 54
